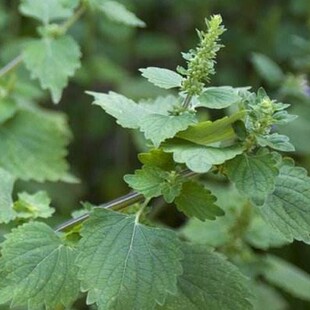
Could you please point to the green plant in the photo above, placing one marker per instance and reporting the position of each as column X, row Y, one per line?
column 127, row 259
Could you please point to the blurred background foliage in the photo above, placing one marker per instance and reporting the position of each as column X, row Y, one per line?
column 267, row 44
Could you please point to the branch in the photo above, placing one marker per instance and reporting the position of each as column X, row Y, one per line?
column 116, row 204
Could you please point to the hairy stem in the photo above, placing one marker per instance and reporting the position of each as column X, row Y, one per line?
column 116, row 204
column 72, row 20
column 187, row 101
column 11, row 65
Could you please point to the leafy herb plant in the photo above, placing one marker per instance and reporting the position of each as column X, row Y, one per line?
column 118, row 254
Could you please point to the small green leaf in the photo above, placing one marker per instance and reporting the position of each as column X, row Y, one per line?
column 119, row 13
column 46, row 11
column 287, row 209
column 7, row 213
column 218, row 97
column 52, row 61
column 197, row 201
column 33, row 206
column 209, row 281
column 276, row 142
column 158, row 127
column 200, row 158
column 267, row 69
column 254, row 175
column 208, row 132
column 127, row 265
column 163, row 78
column 287, row 277
column 158, row 158
column 46, row 274
column 33, row 145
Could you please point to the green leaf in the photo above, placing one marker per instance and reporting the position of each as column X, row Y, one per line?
column 33, row 145
column 287, row 209
column 158, row 158
column 158, row 127
column 7, row 213
column 200, row 158
column 128, row 114
column 276, row 142
column 8, row 109
column 126, row 265
column 208, row 132
column 163, row 78
column 33, row 206
column 39, row 267
column 197, row 201
column 254, row 175
column 46, row 11
column 209, row 282
column 52, row 61
column 287, row 277
column 218, row 97
column 119, row 13
column 152, row 182
column 267, row 69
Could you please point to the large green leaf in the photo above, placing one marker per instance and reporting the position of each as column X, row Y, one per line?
column 288, row 277
column 197, row 201
column 119, row 13
column 208, row 132
column 33, row 145
column 6, row 203
column 126, row 265
column 52, row 61
column 200, row 158
column 39, row 268
column 163, row 78
column 8, row 109
column 287, row 209
column 254, row 175
column 208, row 282
column 218, row 97
column 158, row 127
column 47, row 11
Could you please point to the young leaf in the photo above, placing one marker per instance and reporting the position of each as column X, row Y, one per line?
column 276, row 142
column 200, row 158
column 126, row 265
column 46, row 11
column 287, row 209
column 288, row 277
column 208, row 282
column 33, row 145
column 163, row 78
column 52, row 61
column 39, row 267
column 254, row 176
column 197, row 201
column 158, row 158
column 158, row 127
column 119, row 13
column 33, row 206
column 6, row 203
column 218, row 97
column 208, row 132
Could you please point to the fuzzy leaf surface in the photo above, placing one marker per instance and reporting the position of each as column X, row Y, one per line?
column 197, row 201
column 127, row 265
column 46, row 274
column 46, row 11
column 287, row 277
column 218, row 97
column 52, row 61
column 254, row 176
column 287, row 209
column 161, row 77
column 208, row 282
column 33, row 145
column 119, row 13
column 200, row 158
column 6, row 203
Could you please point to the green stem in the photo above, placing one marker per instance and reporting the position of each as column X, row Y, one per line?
column 140, row 212
column 11, row 65
column 116, row 204
column 72, row 20
column 187, row 101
